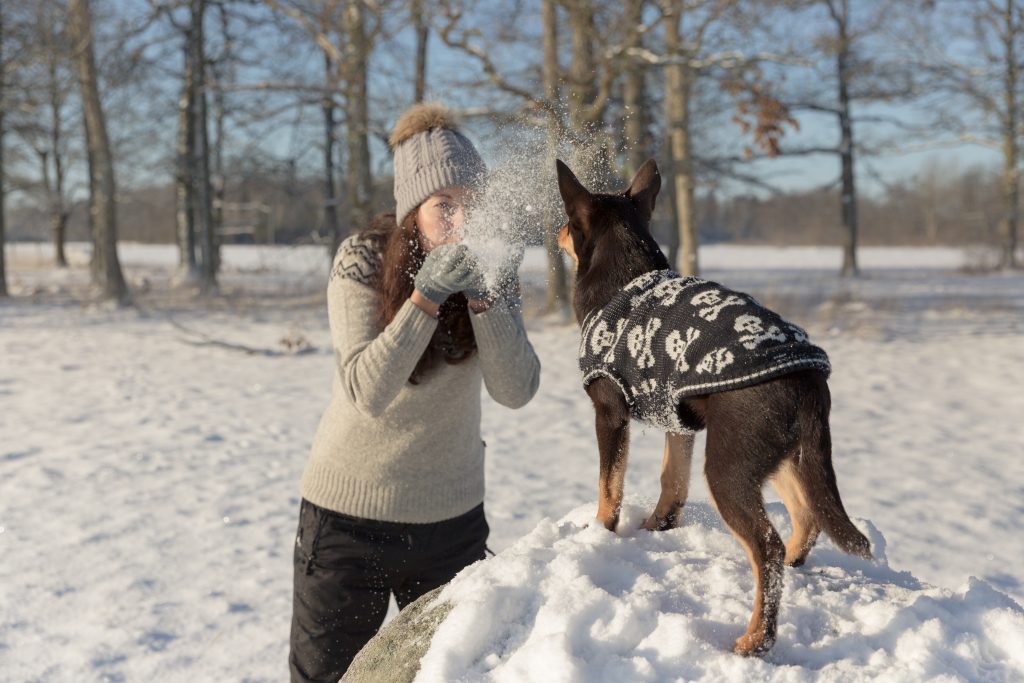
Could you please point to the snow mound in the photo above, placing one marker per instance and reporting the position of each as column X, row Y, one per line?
column 573, row 602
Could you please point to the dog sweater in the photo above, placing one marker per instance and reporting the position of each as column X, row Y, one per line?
column 665, row 337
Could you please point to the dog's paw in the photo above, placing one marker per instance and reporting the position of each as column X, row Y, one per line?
column 797, row 561
column 659, row 523
column 753, row 644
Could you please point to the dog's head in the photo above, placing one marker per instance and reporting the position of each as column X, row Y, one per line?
column 608, row 235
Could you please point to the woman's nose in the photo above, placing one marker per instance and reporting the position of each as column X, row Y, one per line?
column 458, row 216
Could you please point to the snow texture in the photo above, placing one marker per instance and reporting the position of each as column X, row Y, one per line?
column 571, row 601
column 148, row 486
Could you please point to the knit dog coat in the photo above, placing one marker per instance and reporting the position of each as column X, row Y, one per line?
column 665, row 337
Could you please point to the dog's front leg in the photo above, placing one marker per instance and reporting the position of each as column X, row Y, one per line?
column 675, row 481
column 612, row 422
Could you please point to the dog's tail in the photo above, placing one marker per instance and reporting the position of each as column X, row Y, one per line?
column 815, row 471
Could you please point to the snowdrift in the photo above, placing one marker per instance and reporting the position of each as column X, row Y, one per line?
column 575, row 603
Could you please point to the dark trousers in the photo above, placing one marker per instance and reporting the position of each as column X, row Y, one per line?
column 346, row 569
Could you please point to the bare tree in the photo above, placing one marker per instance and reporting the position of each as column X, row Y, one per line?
column 105, row 267
column 3, row 130
column 853, row 68
column 634, row 93
column 1009, row 24
column 184, row 190
column 221, row 71
column 47, row 135
column 589, row 91
column 200, row 162
column 679, row 81
column 557, row 295
column 329, row 108
column 699, row 45
column 422, row 28
column 345, row 33
column 977, row 60
column 576, row 113
column 358, row 178
column 839, row 10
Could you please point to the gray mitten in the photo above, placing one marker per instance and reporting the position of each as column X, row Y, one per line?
column 448, row 268
column 507, row 281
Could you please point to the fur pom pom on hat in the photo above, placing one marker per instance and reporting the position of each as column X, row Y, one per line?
column 420, row 118
column 430, row 155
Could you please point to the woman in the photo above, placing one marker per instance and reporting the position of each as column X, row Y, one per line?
column 394, row 486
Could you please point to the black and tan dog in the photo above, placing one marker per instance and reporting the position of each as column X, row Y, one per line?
column 686, row 354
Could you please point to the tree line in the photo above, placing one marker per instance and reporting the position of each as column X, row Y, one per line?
column 268, row 117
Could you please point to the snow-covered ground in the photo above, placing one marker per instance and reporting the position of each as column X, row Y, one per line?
column 149, row 464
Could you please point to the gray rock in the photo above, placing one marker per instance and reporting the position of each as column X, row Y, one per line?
column 394, row 654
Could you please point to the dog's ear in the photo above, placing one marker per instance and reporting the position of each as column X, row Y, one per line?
column 644, row 188
column 576, row 197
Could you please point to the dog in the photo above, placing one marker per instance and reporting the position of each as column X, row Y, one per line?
column 686, row 354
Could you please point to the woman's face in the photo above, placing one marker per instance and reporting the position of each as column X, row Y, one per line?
column 440, row 217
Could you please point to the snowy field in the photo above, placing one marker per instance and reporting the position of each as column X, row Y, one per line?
column 149, row 461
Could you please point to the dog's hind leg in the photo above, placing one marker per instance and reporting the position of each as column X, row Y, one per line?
column 612, row 424
column 675, row 481
column 735, row 480
column 787, row 484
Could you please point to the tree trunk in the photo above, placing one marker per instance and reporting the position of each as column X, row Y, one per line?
column 218, row 183
column 58, row 207
column 422, row 35
column 670, row 196
column 590, row 158
column 3, row 179
column 58, row 218
column 1009, row 224
column 634, row 95
column 557, row 295
column 846, row 151
column 678, row 92
column 218, row 180
column 200, row 163
column 188, row 268
column 106, row 270
column 330, row 194
column 358, row 176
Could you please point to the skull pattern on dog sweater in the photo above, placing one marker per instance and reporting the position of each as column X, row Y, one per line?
column 664, row 337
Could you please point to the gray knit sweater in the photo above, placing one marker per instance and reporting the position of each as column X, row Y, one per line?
column 389, row 450
column 664, row 337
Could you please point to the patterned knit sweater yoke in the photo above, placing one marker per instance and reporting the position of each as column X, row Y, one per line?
column 665, row 337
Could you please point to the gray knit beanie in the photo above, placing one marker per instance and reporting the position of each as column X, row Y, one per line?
column 430, row 155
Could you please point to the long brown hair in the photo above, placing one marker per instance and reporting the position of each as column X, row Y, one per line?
column 401, row 258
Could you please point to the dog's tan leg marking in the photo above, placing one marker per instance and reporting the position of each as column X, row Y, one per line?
column 767, row 566
column 609, row 503
column 753, row 641
column 675, row 481
column 787, row 484
column 760, row 634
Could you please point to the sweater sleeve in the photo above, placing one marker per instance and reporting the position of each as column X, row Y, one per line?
column 373, row 364
column 510, row 367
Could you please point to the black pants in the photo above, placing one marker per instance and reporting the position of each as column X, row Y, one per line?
column 346, row 569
